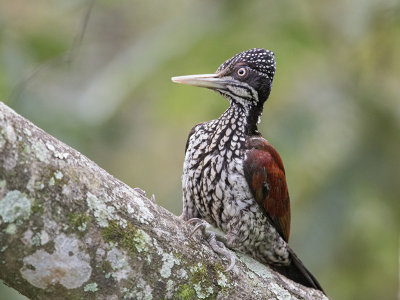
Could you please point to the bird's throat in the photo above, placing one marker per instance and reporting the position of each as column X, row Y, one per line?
column 245, row 119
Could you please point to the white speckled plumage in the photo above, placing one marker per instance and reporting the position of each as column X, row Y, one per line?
column 215, row 189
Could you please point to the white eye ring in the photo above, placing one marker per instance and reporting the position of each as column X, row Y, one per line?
column 241, row 72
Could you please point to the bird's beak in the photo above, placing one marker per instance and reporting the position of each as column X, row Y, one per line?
column 211, row 81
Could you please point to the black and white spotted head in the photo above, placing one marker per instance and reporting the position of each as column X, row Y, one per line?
column 245, row 79
column 259, row 60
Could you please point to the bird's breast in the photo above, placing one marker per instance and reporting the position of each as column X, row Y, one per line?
column 213, row 176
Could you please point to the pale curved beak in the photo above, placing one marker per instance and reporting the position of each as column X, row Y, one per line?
column 211, row 81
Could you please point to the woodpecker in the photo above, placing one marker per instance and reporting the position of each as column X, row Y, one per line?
column 232, row 177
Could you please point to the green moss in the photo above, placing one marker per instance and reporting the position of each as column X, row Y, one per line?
column 199, row 273
column 3, row 183
column 37, row 208
column 200, row 284
column 224, row 279
column 80, row 222
column 129, row 238
column 106, row 266
column 186, row 292
column 219, row 267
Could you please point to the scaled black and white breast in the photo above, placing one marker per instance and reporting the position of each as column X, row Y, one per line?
column 215, row 187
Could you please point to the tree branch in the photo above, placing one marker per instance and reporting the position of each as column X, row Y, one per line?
column 70, row 230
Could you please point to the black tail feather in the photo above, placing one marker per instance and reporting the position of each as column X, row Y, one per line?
column 297, row 272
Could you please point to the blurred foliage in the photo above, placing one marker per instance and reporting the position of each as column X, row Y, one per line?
column 334, row 111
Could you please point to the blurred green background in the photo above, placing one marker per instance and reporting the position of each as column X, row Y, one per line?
column 96, row 75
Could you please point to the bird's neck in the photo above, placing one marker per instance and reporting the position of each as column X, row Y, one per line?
column 245, row 119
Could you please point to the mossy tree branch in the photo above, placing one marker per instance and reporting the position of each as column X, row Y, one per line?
column 69, row 230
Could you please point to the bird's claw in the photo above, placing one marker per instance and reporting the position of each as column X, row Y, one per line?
column 221, row 249
column 218, row 246
column 200, row 225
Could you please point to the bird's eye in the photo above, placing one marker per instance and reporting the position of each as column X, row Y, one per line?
column 241, row 72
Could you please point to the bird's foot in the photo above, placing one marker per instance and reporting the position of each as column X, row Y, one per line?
column 221, row 249
column 216, row 241
column 200, row 224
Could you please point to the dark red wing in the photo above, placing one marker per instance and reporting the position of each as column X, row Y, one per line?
column 265, row 175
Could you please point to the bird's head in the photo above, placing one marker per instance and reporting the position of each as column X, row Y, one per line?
column 244, row 79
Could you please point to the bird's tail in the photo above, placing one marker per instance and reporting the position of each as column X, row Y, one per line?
column 297, row 272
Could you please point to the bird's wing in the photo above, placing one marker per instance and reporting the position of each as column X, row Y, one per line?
column 265, row 175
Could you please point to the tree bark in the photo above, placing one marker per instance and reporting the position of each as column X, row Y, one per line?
column 70, row 230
